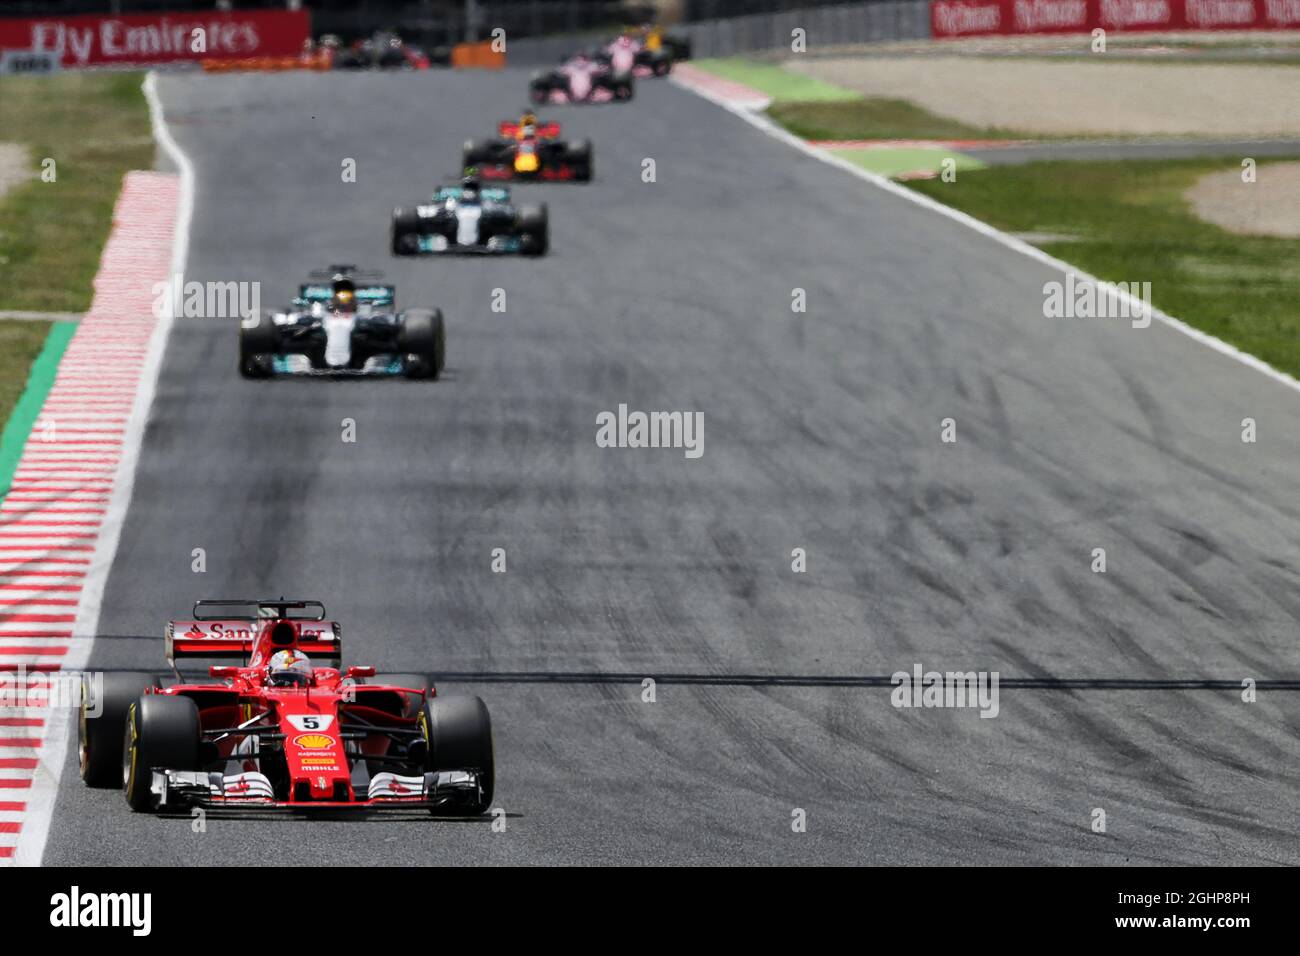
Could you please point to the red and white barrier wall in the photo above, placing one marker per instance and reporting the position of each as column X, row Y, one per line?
column 955, row 18
column 149, row 39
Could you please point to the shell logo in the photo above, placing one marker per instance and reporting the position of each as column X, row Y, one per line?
column 313, row 741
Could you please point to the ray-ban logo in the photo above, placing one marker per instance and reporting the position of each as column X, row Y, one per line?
column 634, row 429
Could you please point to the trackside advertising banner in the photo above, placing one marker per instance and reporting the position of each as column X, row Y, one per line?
column 953, row 18
column 146, row 39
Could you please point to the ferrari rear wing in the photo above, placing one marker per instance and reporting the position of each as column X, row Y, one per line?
column 236, row 638
column 257, row 610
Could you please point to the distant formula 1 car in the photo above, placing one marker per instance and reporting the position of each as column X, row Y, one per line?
column 382, row 51
column 629, row 53
column 342, row 322
column 529, row 149
column 582, row 79
column 276, row 730
column 471, row 218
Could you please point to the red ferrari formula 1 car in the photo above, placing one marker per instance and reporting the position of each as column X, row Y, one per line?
column 278, row 730
column 529, row 149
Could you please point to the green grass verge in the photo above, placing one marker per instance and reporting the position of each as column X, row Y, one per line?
column 814, row 109
column 874, row 118
column 774, row 80
column 29, row 358
column 1130, row 223
column 95, row 126
column 892, row 162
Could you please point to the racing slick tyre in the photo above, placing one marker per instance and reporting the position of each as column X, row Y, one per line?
column 406, row 232
column 161, row 731
column 539, row 87
column 578, row 156
column 477, row 152
column 534, row 223
column 257, row 347
column 458, row 731
column 662, row 66
column 423, row 341
column 100, row 738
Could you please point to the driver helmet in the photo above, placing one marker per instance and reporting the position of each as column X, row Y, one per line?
column 345, row 295
column 289, row 668
column 469, row 188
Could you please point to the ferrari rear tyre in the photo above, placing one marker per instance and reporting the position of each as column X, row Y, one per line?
column 101, row 725
column 458, row 731
column 162, row 732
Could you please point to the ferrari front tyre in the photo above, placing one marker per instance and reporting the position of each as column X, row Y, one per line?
column 458, row 732
column 162, row 732
column 534, row 225
column 406, row 232
column 258, row 346
column 101, row 724
column 423, row 343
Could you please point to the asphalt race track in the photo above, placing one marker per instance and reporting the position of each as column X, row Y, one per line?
column 822, row 431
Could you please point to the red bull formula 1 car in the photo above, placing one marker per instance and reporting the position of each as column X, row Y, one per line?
column 279, row 729
column 527, row 149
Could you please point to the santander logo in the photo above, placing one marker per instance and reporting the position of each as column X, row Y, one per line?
column 1128, row 13
column 952, row 18
column 1214, row 13
column 1282, row 12
column 1036, row 15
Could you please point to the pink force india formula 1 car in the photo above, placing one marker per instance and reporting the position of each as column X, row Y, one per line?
column 582, row 79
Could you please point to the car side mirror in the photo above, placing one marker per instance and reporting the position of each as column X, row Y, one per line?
column 223, row 670
column 360, row 672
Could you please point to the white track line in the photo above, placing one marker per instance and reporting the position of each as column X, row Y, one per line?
column 40, row 797
column 1011, row 242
